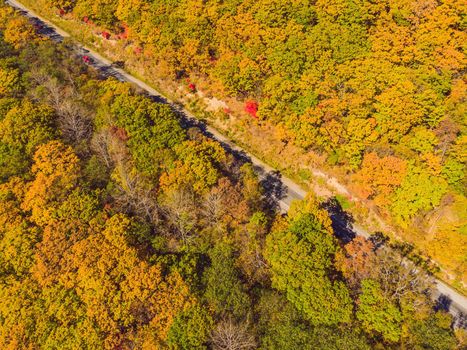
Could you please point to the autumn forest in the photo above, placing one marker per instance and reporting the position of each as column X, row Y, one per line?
column 122, row 227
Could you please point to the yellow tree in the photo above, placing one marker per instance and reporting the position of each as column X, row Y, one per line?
column 19, row 32
column 56, row 172
column 9, row 81
column 378, row 177
column 198, row 166
column 17, row 236
column 129, row 299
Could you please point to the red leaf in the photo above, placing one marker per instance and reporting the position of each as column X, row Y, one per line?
column 251, row 107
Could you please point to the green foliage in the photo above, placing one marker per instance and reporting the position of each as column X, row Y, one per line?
column 283, row 328
column 300, row 259
column 343, row 202
column 378, row 314
column 27, row 126
column 327, row 338
column 197, row 166
column 150, row 128
column 12, row 161
column 23, row 128
column 9, row 81
column 190, row 330
column 433, row 333
column 454, row 173
column 423, row 141
column 419, row 191
column 237, row 75
column 225, row 291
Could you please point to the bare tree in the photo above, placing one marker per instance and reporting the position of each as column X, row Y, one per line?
column 399, row 276
column 100, row 145
column 73, row 119
column 134, row 195
column 74, row 122
column 181, row 212
column 232, row 336
column 213, row 207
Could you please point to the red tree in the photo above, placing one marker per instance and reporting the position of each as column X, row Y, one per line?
column 251, row 107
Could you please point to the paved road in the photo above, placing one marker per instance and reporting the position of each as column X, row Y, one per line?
column 280, row 188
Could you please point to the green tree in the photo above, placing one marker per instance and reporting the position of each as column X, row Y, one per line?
column 282, row 327
column 9, row 81
column 419, row 191
column 377, row 313
column 433, row 333
column 22, row 130
column 301, row 260
column 190, row 329
column 225, row 291
column 150, row 129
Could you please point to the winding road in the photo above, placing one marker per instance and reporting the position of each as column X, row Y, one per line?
column 280, row 188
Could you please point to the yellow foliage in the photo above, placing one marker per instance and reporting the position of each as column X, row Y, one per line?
column 56, row 172
column 19, row 32
column 9, row 80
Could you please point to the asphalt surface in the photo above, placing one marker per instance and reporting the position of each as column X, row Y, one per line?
column 281, row 190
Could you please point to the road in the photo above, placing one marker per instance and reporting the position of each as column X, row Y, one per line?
column 283, row 190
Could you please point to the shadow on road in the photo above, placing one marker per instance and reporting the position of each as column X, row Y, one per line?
column 274, row 189
column 444, row 303
column 341, row 220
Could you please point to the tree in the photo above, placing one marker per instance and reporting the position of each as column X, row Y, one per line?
column 66, row 5
column 378, row 314
column 27, row 126
column 56, row 172
column 281, row 327
column 379, row 177
column 397, row 111
column 18, row 236
column 419, row 191
column 300, row 260
column 19, row 32
column 399, row 277
column 190, row 330
column 125, row 296
column 102, row 11
column 357, row 261
column 133, row 193
column 232, row 336
column 182, row 213
column 22, row 130
column 433, row 332
column 9, row 81
column 280, row 324
column 197, row 166
column 225, row 292
column 151, row 131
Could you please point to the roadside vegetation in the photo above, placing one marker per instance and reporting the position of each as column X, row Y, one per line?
column 119, row 229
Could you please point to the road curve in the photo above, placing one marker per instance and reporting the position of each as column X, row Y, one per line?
column 453, row 301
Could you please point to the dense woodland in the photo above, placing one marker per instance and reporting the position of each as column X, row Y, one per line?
column 119, row 229
column 376, row 87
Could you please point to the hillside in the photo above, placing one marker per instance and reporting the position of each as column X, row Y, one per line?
column 370, row 93
column 121, row 229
